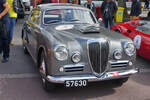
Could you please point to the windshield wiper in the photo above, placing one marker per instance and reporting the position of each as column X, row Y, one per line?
column 53, row 21
column 74, row 20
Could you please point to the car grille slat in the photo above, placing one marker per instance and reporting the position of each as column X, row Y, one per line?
column 98, row 55
column 73, row 69
column 119, row 64
column 94, row 53
column 104, row 55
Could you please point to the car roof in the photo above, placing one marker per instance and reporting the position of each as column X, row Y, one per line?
column 60, row 6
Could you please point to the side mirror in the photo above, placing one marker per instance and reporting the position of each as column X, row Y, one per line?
column 100, row 20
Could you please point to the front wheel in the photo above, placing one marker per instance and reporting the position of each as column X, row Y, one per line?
column 24, row 41
column 121, row 81
column 48, row 86
column 117, row 31
column 25, row 50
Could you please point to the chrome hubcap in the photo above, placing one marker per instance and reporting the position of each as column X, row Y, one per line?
column 42, row 68
column 24, row 47
column 43, row 80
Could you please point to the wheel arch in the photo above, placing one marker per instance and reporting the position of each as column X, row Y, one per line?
column 23, row 30
column 22, row 33
column 40, row 50
column 117, row 30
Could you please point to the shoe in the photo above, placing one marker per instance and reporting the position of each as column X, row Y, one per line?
column 11, row 44
column 5, row 60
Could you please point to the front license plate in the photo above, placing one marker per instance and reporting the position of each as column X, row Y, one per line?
column 76, row 83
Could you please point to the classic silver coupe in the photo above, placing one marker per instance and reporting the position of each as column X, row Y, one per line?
column 71, row 48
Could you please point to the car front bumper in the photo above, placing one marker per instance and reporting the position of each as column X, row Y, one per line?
column 93, row 78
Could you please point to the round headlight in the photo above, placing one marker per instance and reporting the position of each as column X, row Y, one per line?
column 76, row 57
column 61, row 53
column 129, row 49
column 117, row 54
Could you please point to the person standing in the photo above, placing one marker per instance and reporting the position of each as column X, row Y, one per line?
column 74, row 2
column 45, row 1
column 108, row 11
column 147, row 6
column 13, row 17
column 135, row 10
column 89, row 4
column 4, row 30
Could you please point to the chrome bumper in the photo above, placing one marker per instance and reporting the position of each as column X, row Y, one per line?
column 92, row 78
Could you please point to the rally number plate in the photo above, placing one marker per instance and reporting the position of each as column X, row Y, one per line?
column 76, row 83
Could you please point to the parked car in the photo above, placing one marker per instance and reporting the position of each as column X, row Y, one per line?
column 70, row 48
column 139, row 32
column 21, row 9
column 26, row 4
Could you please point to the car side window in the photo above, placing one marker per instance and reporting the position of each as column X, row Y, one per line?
column 35, row 16
column 143, row 27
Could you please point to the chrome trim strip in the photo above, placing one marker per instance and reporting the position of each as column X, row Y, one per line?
column 119, row 62
column 100, row 57
column 73, row 66
column 92, row 78
column 119, row 65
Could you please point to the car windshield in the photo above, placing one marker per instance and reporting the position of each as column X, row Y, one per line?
column 68, row 16
column 144, row 27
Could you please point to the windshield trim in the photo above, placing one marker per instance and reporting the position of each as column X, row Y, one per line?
column 68, row 22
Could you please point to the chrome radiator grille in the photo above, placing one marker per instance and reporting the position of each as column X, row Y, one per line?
column 98, row 55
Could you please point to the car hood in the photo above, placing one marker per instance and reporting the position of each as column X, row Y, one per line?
column 86, row 32
column 76, row 38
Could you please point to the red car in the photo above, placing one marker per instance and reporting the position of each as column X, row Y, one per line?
column 139, row 32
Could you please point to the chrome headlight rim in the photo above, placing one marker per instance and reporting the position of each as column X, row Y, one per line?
column 64, row 50
column 115, row 54
column 74, row 54
column 125, row 49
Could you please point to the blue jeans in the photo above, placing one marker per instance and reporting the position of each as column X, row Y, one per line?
column 4, row 47
column 4, row 42
column 108, row 22
column 12, row 26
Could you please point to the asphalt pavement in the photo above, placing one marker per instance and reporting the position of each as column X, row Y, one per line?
column 19, row 80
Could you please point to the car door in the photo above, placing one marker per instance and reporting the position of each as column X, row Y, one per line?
column 33, row 31
column 27, row 32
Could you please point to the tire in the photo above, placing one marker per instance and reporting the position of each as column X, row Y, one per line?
column 23, row 43
column 48, row 86
column 120, row 82
column 25, row 50
column 117, row 31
